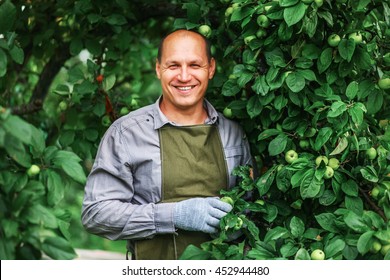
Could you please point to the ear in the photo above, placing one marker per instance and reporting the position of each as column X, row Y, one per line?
column 158, row 67
column 212, row 68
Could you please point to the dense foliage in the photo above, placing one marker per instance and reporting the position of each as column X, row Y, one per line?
column 305, row 78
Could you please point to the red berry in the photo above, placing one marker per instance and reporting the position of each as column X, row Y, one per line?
column 99, row 78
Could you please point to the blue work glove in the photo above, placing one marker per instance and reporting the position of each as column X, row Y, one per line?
column 200, row 214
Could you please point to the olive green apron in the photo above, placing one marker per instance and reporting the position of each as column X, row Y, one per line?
column 193, row 165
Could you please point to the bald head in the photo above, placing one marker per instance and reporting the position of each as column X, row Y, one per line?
column 185, row 33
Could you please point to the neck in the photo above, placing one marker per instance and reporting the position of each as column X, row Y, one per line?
column 192, row 116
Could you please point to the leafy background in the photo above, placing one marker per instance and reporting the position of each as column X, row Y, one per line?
column 69, row 68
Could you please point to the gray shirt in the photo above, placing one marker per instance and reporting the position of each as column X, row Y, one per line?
column 124, row 186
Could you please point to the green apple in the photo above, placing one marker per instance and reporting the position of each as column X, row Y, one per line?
column 375, row 247
column 334, row 163
column 317, row 254
column 124, row 111
column 248, row 39
column 33, row 170
column 304, row 144
column 384, row 83
column 238, row 224
column 106, row 121
column 320, row 159
column 356, row 37
column 291, row 156
column 63, row 105
column 205, row 30
column 334, row 40
column 263, row 21
column 329, row 172
column 375, row 192
column 385, row 249
column 228, row 12
column 371, row 153
column 227, row 112
column 228, row 199
column 261, row 33
column 310, row 132
column 319, row 3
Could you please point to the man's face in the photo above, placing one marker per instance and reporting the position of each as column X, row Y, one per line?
column 184, row 71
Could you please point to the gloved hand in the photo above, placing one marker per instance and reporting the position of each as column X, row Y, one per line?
column 200, row 214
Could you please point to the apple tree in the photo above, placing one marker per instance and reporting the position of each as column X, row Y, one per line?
column 67, row 70
column 309, row 82
column 307, row 79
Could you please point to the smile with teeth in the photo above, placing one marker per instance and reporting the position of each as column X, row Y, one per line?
column 187, row 88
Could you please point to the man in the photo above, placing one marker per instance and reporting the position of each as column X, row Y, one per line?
column 159, row 169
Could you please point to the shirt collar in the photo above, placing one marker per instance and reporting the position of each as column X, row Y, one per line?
column 160, row 119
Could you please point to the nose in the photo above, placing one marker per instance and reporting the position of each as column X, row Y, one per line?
column 184, row 74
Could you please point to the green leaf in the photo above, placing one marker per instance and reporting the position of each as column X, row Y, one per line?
column 39, row 214
column 322, row 137
column 355, row 222
column 287, row 3
column 325, row 60
column 278, row 145
column 297, row 227
column 295, row 82
column 268, row 133
column 341, row 146
column 337, row 109
column 116, row 19
column 18, row 128
column 346, row 48
column 7, row 249
column 375, row 102
column 265, row 181
column 350, row 188
column 17, row 151
column 334, row 247
column 69, row 163
column 7, row 17
column 276, row 233
column 365, row 241
column 3, row 63
column 230, row 88
column 194, row 253
column 370, row 174
column 109, row 82
column 239, row 14
column 352, row 90
column 55, row 188
column 289, row 249
column 58, row 248
column 254, row 106
column 354, row 204
column 310, row 185
column 357, row 113
column 294, row 14
column 62, row 89
column 17, row 54
column 76, row 46
column 260, row 85
column 302, row 254
column 327, row 222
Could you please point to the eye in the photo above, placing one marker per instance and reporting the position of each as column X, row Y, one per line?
column 194, row 65
column 173, row 66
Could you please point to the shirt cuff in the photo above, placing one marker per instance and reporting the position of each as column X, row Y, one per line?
column 163, row 217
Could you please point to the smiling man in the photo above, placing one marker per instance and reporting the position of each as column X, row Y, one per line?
column 159, row 170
